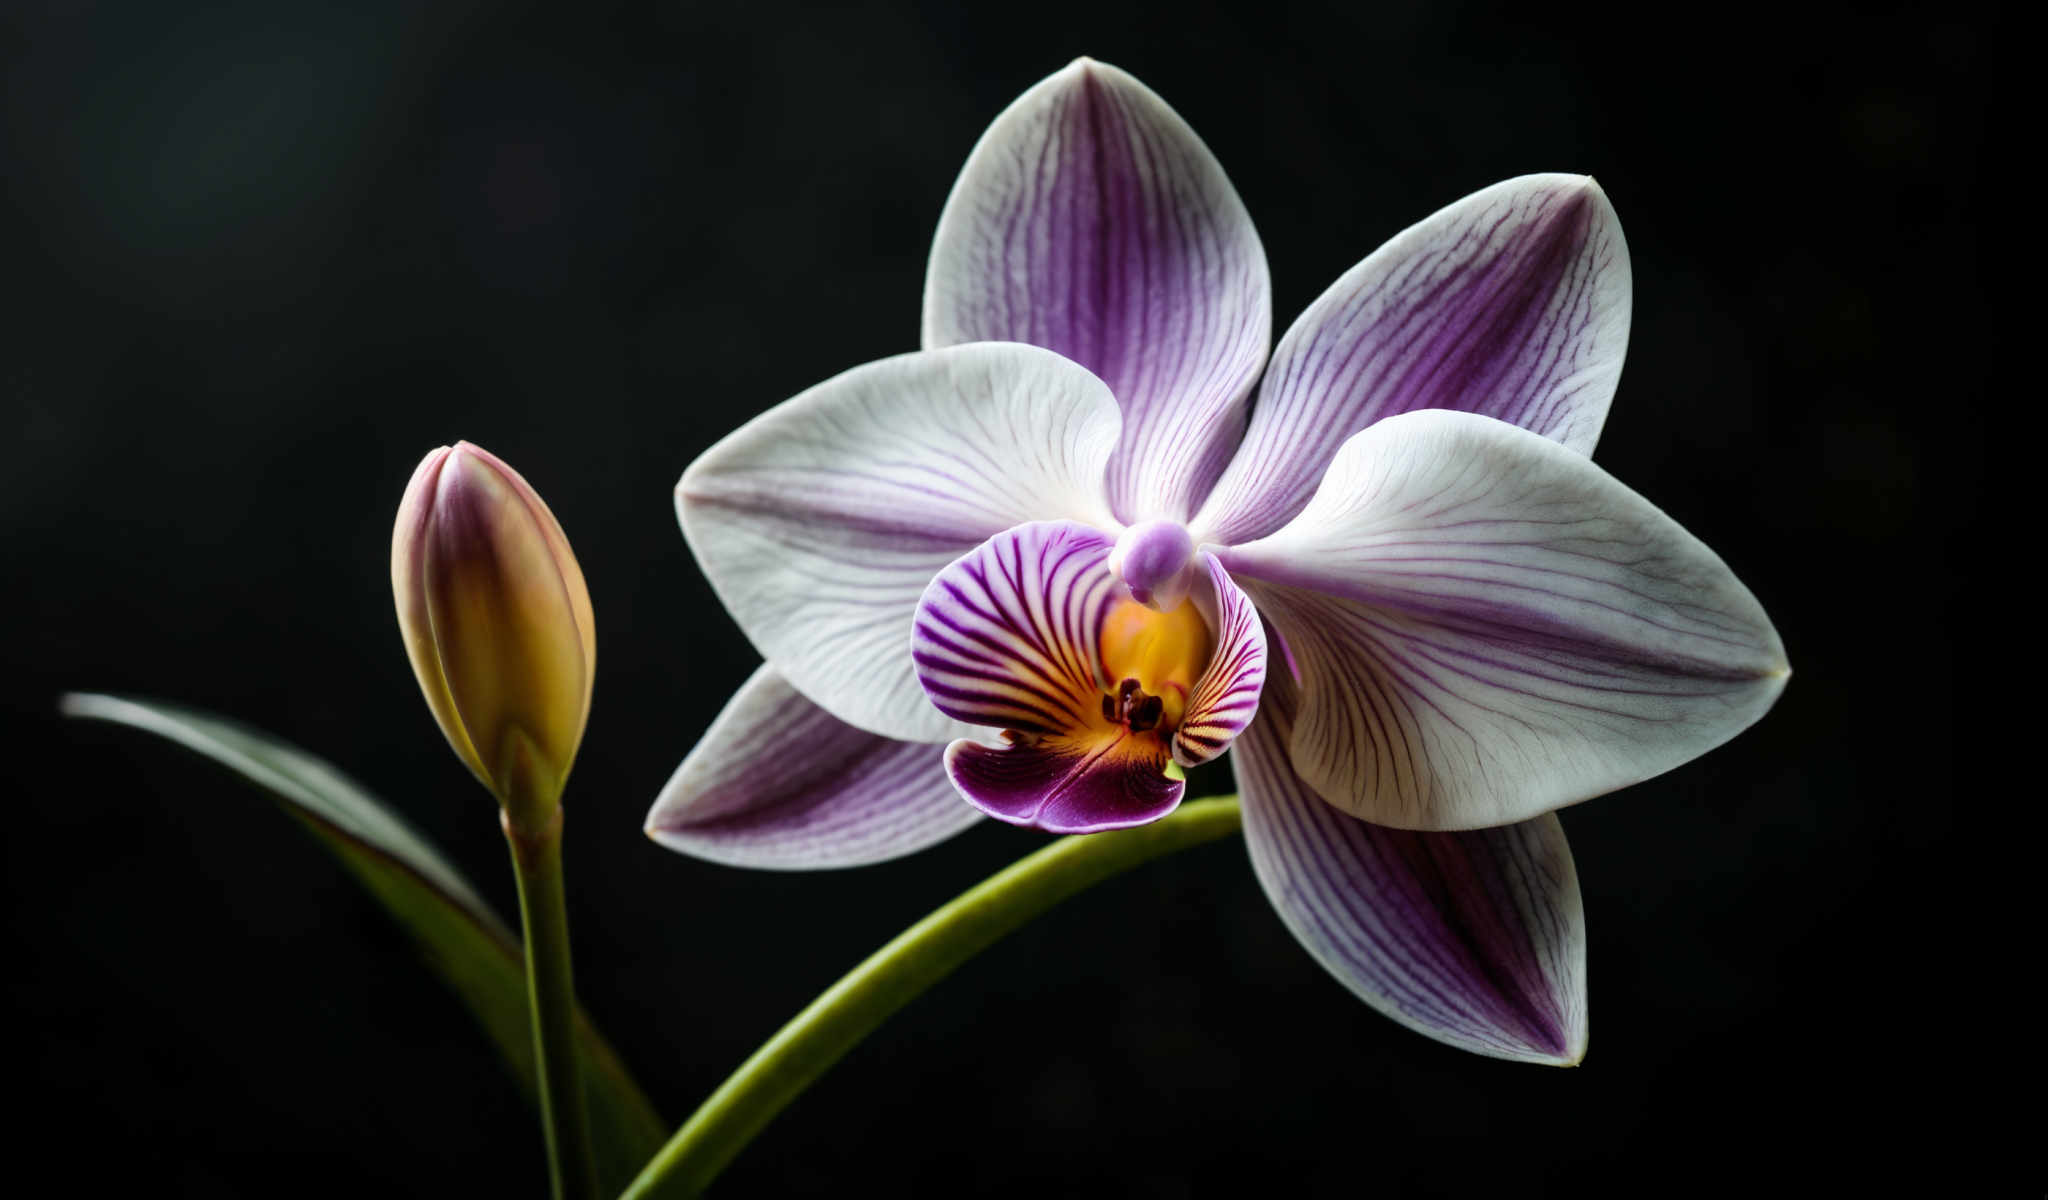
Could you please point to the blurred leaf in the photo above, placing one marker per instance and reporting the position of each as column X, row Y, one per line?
column 466, row 943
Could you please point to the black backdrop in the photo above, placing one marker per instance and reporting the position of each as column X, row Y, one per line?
column 261, row 257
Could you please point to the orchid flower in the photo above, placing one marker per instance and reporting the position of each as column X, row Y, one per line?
column 1025, row 570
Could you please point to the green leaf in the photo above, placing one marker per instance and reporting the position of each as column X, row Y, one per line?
column 466, row 943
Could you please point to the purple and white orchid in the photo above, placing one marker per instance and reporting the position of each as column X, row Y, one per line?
column 1054, row 543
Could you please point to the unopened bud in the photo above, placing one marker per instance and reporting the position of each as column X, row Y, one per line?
column 497, row 622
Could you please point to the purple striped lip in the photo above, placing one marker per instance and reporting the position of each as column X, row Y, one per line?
column 1030, row 634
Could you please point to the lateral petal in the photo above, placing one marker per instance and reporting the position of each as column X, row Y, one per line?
column 821, row 521
column 1092, row 221
column 1476, row 939
column 1488, row 627
column 1512, row 303
column 778, row 783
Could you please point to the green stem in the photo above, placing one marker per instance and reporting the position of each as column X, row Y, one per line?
column 551, row 997
column 919, row 957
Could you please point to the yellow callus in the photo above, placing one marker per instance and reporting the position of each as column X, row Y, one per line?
column 1165, row 652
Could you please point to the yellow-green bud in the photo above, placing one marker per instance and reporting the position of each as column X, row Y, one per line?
column 496, row 620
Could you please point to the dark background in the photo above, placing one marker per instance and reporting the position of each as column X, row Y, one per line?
column 261, row 257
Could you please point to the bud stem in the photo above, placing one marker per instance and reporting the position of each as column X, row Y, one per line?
column 551, row 997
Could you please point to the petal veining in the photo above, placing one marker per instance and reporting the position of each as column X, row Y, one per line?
column 778, row 783
column 1512, row 303
column 1226, row 697
column 1489, row 627
column 821, row 521
column 1064, row 786
column 1011, row 637
column 1007, row 636
column 1476, row 939
column 1092, row 221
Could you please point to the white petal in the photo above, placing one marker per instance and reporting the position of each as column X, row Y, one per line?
column 778, row 783
column 1475, row 938
column 1489, row 627
column 821, row 521
column 1511, row 303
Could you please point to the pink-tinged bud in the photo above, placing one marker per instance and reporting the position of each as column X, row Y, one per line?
column 497, row 622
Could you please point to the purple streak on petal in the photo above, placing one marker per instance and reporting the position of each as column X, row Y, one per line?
column 1512, row 303
column 1092, row 221
column 1064, row 787
column 1009, row 635
column 778, row 783
column 1225, row 698
column 1488, row 626
column 820, row 522
column 1475, row 939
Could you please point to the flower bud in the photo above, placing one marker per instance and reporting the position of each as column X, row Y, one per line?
column 497, row 622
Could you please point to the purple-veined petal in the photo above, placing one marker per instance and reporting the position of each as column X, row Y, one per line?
column 1227, row 695
column 821, row 521
column 1010, row 637
column 781, row 784
column 1092, row 221
column 1512, row 303
column 1063, row 786
column 1476, row 939
column 1489, row 627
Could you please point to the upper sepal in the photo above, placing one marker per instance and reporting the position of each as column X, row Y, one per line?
column 1091, row 220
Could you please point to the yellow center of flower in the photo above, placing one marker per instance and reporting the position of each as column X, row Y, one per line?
column 1154, row 659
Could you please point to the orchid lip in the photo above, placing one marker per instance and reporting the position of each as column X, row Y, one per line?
column 1095, row 693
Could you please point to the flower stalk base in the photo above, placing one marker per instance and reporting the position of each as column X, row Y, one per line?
column 551, row 997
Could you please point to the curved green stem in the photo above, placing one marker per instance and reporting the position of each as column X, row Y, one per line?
column 894, row 975
column 551, row 996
